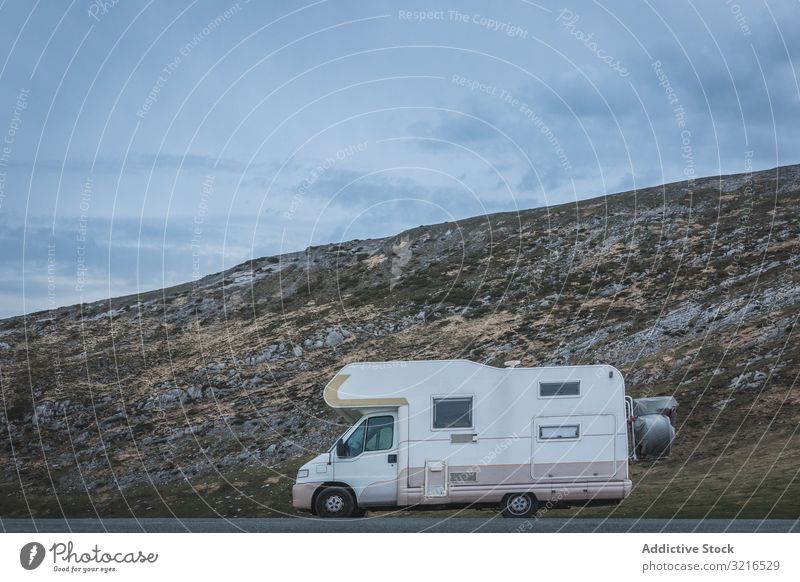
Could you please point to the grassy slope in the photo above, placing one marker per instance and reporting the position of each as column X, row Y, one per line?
column 732, row 485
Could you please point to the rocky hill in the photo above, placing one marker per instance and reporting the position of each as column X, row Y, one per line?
column 202, row 398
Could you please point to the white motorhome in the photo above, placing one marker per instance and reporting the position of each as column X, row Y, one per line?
column 457, row 433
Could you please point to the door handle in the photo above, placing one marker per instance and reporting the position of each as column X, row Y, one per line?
column 392, row 458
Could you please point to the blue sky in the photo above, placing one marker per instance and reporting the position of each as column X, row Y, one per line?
column 143, row 144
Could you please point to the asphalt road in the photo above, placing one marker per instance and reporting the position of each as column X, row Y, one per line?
column 380, row 524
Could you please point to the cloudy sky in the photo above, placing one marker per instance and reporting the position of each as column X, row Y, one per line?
column 147, row 143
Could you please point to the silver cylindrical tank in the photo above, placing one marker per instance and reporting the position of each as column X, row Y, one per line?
column 653, row 425
column 654, row 435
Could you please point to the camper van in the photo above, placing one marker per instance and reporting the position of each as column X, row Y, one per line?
column 455, row 433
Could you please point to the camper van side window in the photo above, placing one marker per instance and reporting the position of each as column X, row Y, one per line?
column 452, row 412
column 380, row 433
column 554, row 389
column 571, row 431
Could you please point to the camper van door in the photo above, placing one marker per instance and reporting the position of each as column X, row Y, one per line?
column 369, row 461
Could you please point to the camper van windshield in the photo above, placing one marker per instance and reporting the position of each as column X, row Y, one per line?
column 355, row 442
column 341, row 436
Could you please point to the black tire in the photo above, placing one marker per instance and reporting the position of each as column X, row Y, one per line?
column 519, row 505
column 335, row 502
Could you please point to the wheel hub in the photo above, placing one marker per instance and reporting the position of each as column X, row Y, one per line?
column 519, row 504
column 334, row 503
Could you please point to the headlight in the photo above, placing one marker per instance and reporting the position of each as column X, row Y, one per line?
column 302, row 473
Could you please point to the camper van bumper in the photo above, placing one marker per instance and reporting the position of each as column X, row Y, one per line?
column 302, row 493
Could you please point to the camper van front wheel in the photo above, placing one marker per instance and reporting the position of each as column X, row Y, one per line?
column 519, row 505
column 335, row 502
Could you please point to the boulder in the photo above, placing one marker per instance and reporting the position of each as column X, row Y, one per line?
column 334, row 338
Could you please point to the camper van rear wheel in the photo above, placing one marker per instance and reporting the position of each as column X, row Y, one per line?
column 519, row 505
column 335, row 502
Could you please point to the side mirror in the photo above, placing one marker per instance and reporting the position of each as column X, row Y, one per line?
column 341, row 450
